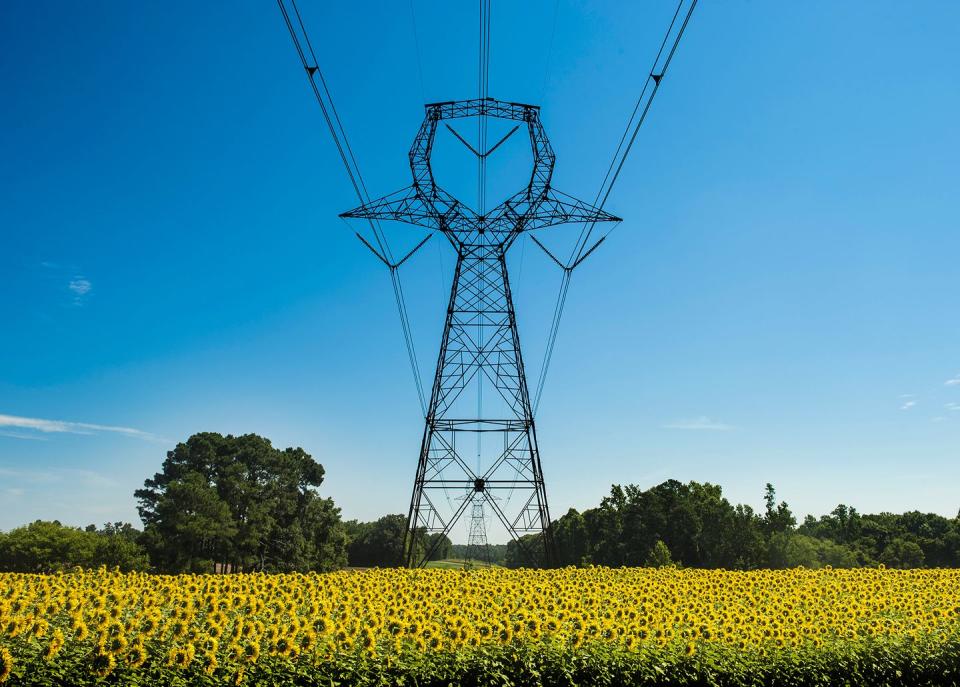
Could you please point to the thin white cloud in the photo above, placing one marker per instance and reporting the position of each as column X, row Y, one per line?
column 907, row 405
column 21, row 435
column 63, row 427
column 701, row 423
column 80, row 286
column 952, row 406
column 953, row 381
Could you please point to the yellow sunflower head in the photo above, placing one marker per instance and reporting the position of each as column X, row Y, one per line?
column 137, row 656
column 209, row 662
column 103, row 664
column 6, row 664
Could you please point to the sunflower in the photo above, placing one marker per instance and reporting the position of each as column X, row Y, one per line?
column 235, row 652
column 114, row 644
column 6, row 664
column 307, row 640
column 103, row 664
column 179, row 629
column 251, row 652
column 280, row 646
column 149, row 625
column 180, row 657
column 39, row 628
column 209, row 661
column 136, row 656
column 53, row 646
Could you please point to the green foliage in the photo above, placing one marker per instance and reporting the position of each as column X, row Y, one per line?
column 902, row 553
column 44, row 546
column 912, row 539
column 238, row 501
column 659, row 556
column 923, row 663
column 701, row 528
column 778, row 518
column 698, row 526
column 524, row 553
column 377, row 544
column 572, row 537
column 440, row 546
column 790, row 550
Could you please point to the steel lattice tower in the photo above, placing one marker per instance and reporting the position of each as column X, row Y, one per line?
column 477, row 547
column 480, row 347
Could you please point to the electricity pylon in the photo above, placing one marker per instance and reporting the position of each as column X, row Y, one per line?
column 480, row 348
column 477, row 547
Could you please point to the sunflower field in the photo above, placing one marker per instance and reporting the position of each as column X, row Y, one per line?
column 571, row 626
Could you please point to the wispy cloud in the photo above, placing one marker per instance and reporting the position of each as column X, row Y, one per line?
column 68, row 277
column 701, row 423
column 907, row 405
column 21, row 435
column 80, row 286
column 953, row 381
column 952, row 406
column 64, row 427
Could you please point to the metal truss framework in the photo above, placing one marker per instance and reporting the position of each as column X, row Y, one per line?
column 480, row 342
column 477, row 547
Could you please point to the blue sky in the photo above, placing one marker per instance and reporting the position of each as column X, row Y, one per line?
column 778, row 305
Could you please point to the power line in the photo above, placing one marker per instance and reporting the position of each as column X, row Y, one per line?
column 644, row 100
column 335, row 126
column 553, row 35
column 654, row 77
column 552, row 337
column 483, row 83
column 416, row 44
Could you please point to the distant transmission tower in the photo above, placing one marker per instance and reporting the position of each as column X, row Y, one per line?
column 480, row 349
column 477, row 547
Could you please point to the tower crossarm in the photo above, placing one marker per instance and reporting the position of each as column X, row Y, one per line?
column 439, row 211
column 521, row 213
column 427, row 205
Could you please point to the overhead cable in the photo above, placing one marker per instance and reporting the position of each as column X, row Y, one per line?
column 582, row 249
column 321, row 91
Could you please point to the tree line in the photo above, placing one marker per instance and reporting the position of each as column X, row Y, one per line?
column 237, row 504
column 694, row 525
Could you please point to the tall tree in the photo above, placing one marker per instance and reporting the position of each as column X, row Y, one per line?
column 778, row 517
column 240, row 501
column 571, row 537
